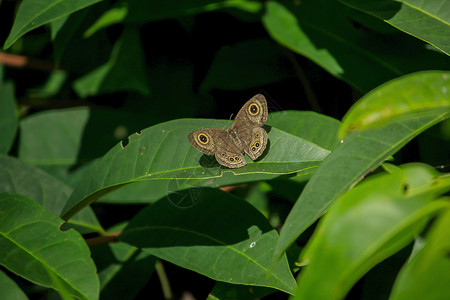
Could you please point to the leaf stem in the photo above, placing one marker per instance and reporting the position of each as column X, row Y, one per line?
column 165, row 285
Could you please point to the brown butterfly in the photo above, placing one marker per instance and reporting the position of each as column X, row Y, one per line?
column 246, row 135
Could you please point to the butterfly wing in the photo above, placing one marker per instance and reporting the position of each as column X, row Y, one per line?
column 218, row 142
column 206, row 139
column 253, row 113
column 230, row 158
column 247, row 126
column 256, row 142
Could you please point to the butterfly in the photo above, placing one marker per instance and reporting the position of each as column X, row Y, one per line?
column 246, row 135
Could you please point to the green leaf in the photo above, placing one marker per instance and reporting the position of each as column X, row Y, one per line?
column 35, row 13
column 126, row 11
column 59, row 286
column 427, row 275
column 10, row 290
column 316, row 128
column 34, row 248
column 163, row 152
column 323, row 32
column 366, row 225
column 82, row 134
column 18, row 177
column 427, row 20
column 8, row 117
column 361, row 153
column 138, row 192
column 124, row 70
column 257, row 196
column 52, row 86
column 311, row 126
column 152, row 11
column 221, row 237
column 114, row 15
column 41, row 132
column 79, row 55
column 405, row 97
column 233, row 69
column 64, row 31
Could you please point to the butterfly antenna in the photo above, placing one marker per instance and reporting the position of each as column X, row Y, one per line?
column 271, row 103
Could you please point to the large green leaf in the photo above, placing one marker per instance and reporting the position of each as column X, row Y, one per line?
column 426, row 275
column 221, row 237
column 427, row 20
column 10, row 290
column 35, row 13
column 163, row 152
column 401, row 98
column 313, row 127
column 58, row 140
column 8, row 117
column 82, row 134
column 358, row 155
column 40, row 132
column 62, row 141
column 367, row 225
column 323, row 31
column 32, row 246
column 18, row 177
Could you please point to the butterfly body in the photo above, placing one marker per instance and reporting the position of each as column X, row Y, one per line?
column 246, row 135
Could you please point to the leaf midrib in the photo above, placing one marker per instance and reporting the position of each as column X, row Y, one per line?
column 424, row 12
column 42, row 262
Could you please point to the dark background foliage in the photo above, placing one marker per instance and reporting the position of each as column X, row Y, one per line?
column 194, row 65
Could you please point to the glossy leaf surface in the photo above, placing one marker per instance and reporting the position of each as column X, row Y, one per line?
column 402, row 98
column 35, row 13
column 18, row 177
column 38, row 250
column 219, row 236
column 163, row 152
column 326, row 33
column 10, row 289
column 426, row 275
column 361, row 153
column 310, row 126
column 367, row 225
column 427, row 20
